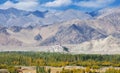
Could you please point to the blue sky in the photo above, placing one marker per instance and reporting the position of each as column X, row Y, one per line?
column 83, row 5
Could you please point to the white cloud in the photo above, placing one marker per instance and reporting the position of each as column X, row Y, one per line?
column 94, row 3
column 22, row 4
column 58, row 3
column 35, row 5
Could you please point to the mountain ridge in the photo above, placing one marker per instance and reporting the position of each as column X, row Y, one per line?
column 36, row 29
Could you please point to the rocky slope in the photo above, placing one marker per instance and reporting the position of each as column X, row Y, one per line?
column 109, row 45
column 97, row 34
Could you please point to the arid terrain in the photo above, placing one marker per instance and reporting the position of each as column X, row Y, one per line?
column 98, row 34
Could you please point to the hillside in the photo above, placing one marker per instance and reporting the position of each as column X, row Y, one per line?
column 88, row 34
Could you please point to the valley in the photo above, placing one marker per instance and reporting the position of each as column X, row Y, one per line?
column 59, row 36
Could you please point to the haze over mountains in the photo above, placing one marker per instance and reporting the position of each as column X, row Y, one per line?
column 83, row 32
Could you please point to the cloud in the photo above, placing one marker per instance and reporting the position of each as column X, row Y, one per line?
column 22, row 4
column 94, row 3
column 58, row 3
column 31, row 5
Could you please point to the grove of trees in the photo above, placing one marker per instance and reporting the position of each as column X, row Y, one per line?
column 94, row 61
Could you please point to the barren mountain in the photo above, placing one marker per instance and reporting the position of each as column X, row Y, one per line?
column 15, row 17
column 73, row 34
column 108, row 20
column 6, row 40
column 97, row 34
column 109, row 45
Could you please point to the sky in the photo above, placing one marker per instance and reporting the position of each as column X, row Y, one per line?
column 83, row 5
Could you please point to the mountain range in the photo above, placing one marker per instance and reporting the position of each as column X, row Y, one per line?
column 15, row 17
column 99, row 30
